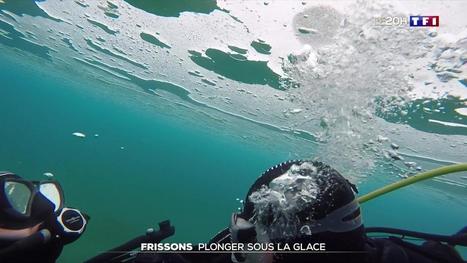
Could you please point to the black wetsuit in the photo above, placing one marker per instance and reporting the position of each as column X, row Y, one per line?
column 380, row 250
column 389, row 250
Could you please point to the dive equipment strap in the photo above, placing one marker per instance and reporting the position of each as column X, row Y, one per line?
column 459, row 239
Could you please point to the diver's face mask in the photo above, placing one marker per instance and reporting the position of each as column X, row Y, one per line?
column 20, row 194
column 24, row 203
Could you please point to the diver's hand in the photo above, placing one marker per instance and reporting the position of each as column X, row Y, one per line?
column 11, row 234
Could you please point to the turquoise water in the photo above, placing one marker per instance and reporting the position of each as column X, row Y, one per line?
column 167, row 170
column 153, row 105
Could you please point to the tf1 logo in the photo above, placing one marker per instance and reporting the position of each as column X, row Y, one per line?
column 424, row 20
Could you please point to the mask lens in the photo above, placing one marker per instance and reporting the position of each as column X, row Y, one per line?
column 50, row 190
column 18, row 196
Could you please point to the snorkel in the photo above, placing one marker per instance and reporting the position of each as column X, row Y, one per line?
column 34, row 224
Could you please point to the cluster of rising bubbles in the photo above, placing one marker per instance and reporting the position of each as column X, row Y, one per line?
column 348, row 75
column 276, row 206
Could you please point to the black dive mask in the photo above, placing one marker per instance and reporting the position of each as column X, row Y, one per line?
column 26, row 203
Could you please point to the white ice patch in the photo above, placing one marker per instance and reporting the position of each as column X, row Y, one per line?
column 49, row 174
column 79, row 135
column 462, row 111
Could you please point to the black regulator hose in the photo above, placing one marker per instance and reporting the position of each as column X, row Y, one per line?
column 459, row 239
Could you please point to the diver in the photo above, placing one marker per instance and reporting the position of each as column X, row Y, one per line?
column 309, row 202
column 34, row 224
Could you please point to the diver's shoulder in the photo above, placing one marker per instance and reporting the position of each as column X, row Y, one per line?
column 385, row 250
column 392, row 249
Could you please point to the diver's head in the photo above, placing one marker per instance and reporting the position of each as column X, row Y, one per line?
column 302, row 202
column 26, row 207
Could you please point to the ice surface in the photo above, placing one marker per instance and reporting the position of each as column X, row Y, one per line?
column 350, row 79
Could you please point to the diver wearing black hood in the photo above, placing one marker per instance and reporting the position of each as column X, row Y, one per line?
column 307, row 202
column 326, row 211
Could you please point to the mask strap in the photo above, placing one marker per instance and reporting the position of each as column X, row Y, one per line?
column 334, row 222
